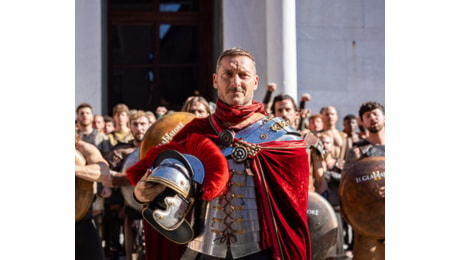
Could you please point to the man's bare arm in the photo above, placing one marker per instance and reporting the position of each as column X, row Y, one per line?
column 96, row 168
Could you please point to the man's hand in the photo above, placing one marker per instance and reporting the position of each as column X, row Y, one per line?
column 271, row 86
column 106, row 192
column 305, row 97
column 147, row 191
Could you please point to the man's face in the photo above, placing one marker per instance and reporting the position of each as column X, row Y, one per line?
column 98, row 122
column 109, row 127
column 161, row 110
column 198, row 109
column 374, row 120
column 85, row 116
column 139, row 128
column 236, row 80
column 327, row 143
column 350, row 125
column 316, row 124
column 121, row 118
column 329, row 116
column 286, row 110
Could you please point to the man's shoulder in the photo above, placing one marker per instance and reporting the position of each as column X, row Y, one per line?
column 361, row 142
column 277, row 129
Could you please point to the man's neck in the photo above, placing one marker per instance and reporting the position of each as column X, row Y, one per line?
column 85, row 129
column 240, row 125
column 377, row 138
column 329, row 127
column 122, row 129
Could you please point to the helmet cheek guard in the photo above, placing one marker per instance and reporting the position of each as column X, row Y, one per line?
column 167, row 212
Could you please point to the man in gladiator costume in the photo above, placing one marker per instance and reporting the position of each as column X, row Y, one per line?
column 247, row 173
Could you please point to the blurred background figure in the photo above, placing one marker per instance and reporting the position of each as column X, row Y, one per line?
column 151, row 117
column 315, row 123
column 271, row 87
column 160, row 111
column 285, row 107
column 86, row 131
column 363, row 132
column 197, row 105
column 350, row 124
column 304, row 112
column 122, row 133
column 330, row 118
column 98, row 123
column 109, row 124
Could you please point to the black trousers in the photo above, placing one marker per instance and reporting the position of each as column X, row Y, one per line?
column 87, row 241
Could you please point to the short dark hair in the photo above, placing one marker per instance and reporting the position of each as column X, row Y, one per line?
column 83, row 105
column 349, row 117
column 369, row 106
column 109, row 119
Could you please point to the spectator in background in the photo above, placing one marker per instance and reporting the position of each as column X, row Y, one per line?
column 363, row 132
column 109, row 125
column 372, row 115
column 330, row 118
column 89, row 166
column 100, row 140
column 113, row 205
column 284, row 106
column 124, row 214
column 86, row 131
column 198, row 106
column 98, row 123
column 151, row 117
column 122, row 133
column 160, row 111
column 333, row 173
column 304, row 112
column 350, row 124
column 315, row 123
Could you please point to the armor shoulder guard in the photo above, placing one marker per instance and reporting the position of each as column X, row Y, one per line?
column 265, row 130
column 269, row 129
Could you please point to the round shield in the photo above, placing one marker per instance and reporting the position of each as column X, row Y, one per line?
column 322, row 225
column 359, row 193
column 128, row 190
column 163, row 130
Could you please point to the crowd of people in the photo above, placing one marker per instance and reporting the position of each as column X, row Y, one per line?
column 118, row 221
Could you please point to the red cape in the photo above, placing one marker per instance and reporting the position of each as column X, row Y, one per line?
column 282, row 188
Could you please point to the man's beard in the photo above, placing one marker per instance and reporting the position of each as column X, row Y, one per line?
column 139, row 140
column 376, row 128
column 85, row 124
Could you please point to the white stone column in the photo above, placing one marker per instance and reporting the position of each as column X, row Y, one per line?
column 281, row 45
column 88, row 51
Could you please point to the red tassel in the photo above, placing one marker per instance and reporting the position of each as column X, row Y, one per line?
column 216, row 173
column 215, row 165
